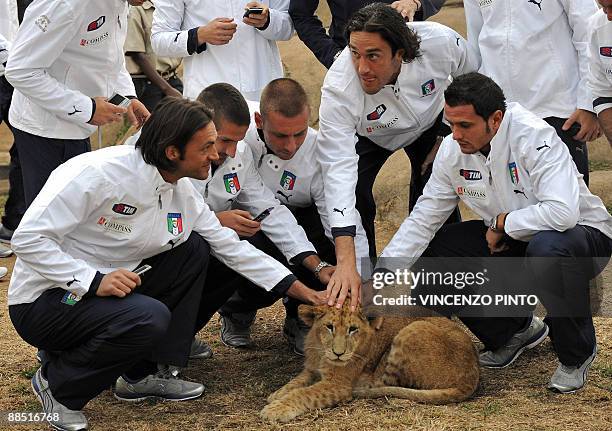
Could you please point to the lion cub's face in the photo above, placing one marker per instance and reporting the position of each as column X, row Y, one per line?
column 339, row 332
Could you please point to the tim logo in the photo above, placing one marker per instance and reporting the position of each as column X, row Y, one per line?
column 124, row 209
column 377, row 113
column 605, row 51
column 470, row 175
column 94, row 25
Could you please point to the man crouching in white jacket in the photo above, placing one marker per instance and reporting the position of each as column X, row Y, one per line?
column 76, row 291
column 513, row 171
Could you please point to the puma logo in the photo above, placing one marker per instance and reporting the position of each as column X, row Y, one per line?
column 176, row 37
column 336, row 210
column 543, row 146
column 284, row 195
column 520, row 192
column 72, row 281
column 75, row 110
column 539, row 5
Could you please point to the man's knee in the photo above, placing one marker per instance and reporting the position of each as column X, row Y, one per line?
column 148, row 318
column 551, row 244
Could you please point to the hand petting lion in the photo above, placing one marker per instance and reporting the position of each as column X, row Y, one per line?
column 427, row 359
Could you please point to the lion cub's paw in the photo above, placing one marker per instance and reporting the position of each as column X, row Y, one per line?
column 277, row 395
column 277, row 411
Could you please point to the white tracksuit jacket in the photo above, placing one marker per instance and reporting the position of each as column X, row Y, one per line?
column 527, row 173
column 237, row 184
column 536, row 51
column 4, row 51
column 108, row 209
column 249, row 61
column 392, row 118
column 9, row 22
column 600, row 79
column 66, row 52
column 8, row 29
column 297, row 182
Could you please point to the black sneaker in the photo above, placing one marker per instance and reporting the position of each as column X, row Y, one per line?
column 295, row 332
column 164, row 385
column 237, row 332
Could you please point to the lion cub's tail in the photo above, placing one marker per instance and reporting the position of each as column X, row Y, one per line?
column 428, row 396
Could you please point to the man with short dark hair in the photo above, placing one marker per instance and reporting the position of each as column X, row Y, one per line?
column 326, row 47
column 283, row 148
column 76, row 292
column 383, row 93
column 512, row 169
column 237, row 194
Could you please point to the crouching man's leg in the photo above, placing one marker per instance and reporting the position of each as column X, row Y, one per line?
column 176, row 279
column 562, row 263
column 93, row 341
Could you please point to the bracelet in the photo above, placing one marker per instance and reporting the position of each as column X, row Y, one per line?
column 319, row 267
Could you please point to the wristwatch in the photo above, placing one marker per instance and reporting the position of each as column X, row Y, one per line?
column 319, row 267
column 493, row 225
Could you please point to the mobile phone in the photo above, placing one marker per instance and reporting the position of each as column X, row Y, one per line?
column 119, row 100
column 265, row 213
column 142, row 269
column 253, row 10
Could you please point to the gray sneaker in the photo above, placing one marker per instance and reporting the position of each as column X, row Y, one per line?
column 164, row 385
column 59, row 416
column 528, row 338
column 566, row 379
column 199, row 349
column 5, row 234
column 295, row 332
column 237, row 332
column 5, row 251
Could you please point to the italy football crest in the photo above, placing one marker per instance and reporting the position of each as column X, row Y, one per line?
column 231, row 183
column 287, row 181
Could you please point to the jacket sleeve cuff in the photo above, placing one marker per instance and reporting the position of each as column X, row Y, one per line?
column 192, row 42
column 266, row 25
column 344, row 231
column 93, row 109
column 283, row 286
column 299, row 258
column 95, row 283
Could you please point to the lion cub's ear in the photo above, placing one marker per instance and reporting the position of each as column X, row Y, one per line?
column 309, row 313
column 376, row 323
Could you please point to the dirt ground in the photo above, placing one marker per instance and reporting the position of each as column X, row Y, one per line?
column 238, row 382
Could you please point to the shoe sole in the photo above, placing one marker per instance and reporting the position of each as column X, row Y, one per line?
column 201, row 356
column 156, row 397
column 521, row 350
column 585, row 374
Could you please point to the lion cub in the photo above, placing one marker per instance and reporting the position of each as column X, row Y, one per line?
column 429, row 360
